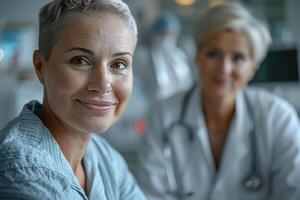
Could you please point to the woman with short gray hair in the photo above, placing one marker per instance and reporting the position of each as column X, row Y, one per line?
column 84, row 63
column 223, row 140
column 236, row 18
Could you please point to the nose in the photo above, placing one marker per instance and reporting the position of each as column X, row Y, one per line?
column 226, row 66
column 100, row 80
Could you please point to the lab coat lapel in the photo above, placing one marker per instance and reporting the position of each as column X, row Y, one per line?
column 236, row 158
column 195, row 115
column 201, row 171
column 205, row 145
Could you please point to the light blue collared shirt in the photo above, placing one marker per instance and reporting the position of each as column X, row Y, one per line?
column 32, row 165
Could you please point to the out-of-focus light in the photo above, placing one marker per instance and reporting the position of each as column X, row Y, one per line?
column 1, row 54
column 185, row 2
column 215, row 2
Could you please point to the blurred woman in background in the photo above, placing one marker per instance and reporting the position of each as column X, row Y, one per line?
column 222, row 140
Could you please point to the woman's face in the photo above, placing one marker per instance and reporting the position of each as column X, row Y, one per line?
column 225, row 63
column 88, row 76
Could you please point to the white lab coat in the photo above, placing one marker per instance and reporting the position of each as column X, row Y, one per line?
column 278, row 151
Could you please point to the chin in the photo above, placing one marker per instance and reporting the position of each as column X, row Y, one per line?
column 99, row 130
column 218, row 94
column 94, row 126
column 95, row 129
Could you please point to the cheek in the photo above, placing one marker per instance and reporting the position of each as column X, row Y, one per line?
column 244, row 75
column 241, row 78
column 204, row 71
column 61, row 83
column 124, row 89
column 204, row 67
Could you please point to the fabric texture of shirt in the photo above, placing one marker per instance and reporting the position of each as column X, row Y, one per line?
column 32, row 165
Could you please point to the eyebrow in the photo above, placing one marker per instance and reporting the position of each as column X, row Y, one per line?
column 81, row 49
column 91, row 52
column 122, row 53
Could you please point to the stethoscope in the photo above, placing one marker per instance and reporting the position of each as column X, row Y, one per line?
column 252, row 182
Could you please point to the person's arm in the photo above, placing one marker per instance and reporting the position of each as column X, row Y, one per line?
column 285, row 174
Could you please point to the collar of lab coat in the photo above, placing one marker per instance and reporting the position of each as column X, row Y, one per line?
column 238, row 140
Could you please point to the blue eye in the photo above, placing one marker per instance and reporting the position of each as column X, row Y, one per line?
column 80, row 61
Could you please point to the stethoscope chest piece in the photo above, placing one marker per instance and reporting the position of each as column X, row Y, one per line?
column 253, row 182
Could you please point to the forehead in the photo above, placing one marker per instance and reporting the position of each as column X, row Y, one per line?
column 229, row 40
column 106, row 29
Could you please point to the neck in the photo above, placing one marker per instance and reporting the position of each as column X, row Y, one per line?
column 73, row 147
column 218, row 113
column 72, row 143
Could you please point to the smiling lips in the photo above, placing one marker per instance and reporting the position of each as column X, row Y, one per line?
column 97, row 106
column 221, row 81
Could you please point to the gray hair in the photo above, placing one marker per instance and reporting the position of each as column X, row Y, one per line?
column 235, row 17
column 52, row 16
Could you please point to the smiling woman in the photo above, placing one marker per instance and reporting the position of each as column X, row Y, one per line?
column 88, row 75
column 84, row 63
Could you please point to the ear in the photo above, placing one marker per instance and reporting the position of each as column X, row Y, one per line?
column 39, row 66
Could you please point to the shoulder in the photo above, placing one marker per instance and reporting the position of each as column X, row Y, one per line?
column 26, row 170
column 266, row 102
column 276, row 117
column 168, row 107
column 21, row 143
column 26, row 129
column 25, row 173
column 35, row 183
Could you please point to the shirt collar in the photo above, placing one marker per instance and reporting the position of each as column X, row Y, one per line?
column 39, row 136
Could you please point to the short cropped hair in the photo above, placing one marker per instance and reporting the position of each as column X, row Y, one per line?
column 235, row 17
column 52, row 16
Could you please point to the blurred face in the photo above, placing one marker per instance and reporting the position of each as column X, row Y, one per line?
column 225, row 64
column 88, row 76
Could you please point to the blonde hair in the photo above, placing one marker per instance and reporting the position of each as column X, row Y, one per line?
column 235, row 17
